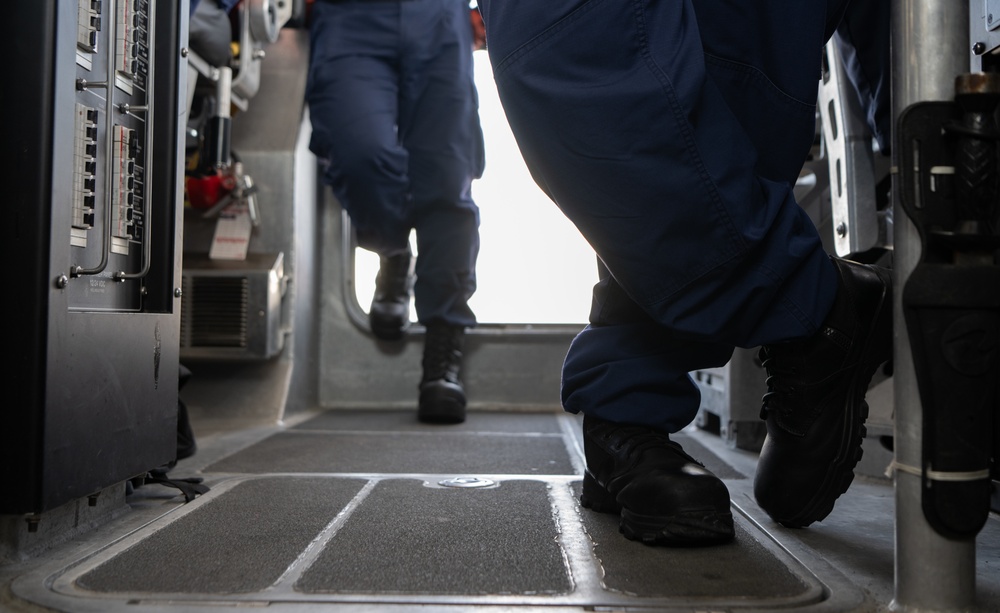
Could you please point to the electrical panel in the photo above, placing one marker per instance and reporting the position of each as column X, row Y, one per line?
column 93, row 171
column 112, row 150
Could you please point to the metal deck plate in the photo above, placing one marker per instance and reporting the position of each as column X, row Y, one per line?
column 415, row 539
column 349, row 512
column 401, row 452
column 239, row 542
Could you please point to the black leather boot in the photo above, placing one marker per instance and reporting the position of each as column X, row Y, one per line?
column 815, row 405
column 442, row 398
column 663, row 495
column 389, row 315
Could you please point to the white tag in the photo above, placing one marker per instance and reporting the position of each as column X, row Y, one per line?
column 232, row 233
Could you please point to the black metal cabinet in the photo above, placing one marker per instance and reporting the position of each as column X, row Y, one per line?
column 92, row 166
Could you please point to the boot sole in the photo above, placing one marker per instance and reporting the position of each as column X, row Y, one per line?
column 688, row 528
column 691, row 528
column 839, row 478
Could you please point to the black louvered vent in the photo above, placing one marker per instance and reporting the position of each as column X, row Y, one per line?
column 214, row 313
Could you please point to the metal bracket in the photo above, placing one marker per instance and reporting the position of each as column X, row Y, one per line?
column 848, row 144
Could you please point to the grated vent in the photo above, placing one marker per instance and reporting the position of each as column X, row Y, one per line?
column 214, row 312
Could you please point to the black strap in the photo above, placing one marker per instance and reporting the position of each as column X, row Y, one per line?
column 191, row 487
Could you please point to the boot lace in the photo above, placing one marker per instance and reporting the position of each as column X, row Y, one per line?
column 782, row 394
column 442, row 353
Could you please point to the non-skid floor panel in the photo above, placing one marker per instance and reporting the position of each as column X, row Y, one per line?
column 406, row 421
column 407, row 538
column 239, row 542
column 743, row 568
column 328, row 452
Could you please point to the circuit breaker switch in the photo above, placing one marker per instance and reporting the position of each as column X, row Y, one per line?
column 88, row 17
column 84, row 168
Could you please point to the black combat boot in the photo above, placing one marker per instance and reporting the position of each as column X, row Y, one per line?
column 663, row 495
column 815, row 405
column 389, row 315
column 442, row 399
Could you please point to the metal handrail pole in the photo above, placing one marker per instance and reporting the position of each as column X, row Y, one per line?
column 930, row 41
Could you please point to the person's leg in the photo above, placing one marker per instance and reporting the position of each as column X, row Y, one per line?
column 617, row 111
column 815, row 416
column 671, row 134
column 626, row 368
column 676, row 164
column 439, row 126
column 629, row 119
column 352, row 93
column 629, row 377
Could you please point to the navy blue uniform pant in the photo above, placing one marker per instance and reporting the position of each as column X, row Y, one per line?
column 671, row 132
column 395, row 121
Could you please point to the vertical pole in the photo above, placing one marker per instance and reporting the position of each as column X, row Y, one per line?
column 930, row 41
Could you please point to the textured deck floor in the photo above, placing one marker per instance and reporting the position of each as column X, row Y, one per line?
column 360, row 511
